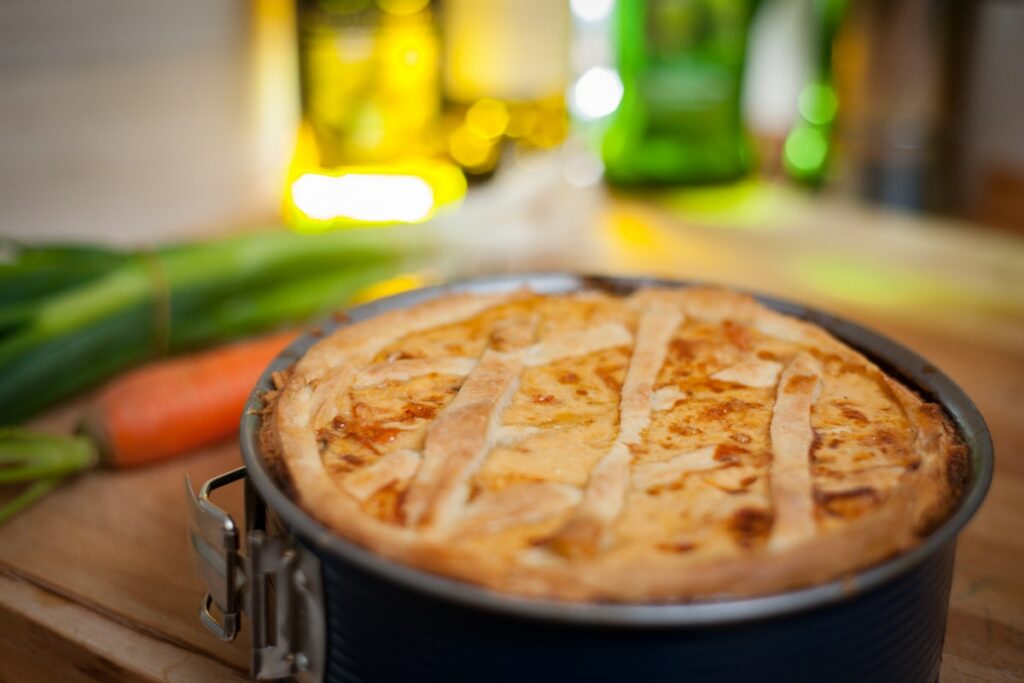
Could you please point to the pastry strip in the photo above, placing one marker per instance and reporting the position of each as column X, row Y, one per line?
column 791, row 437
column 880, row 478
column 577, row 343
column 408, row 368
column 396, row 467
column 588, row 528
column 654, row 474
column 558, row 347
column 334, row 363
column 459, row 440
column 666, row 398
column 751, row 373
column 515, row 505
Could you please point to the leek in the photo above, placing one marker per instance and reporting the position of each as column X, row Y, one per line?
column 73, row 316
column 41, row 459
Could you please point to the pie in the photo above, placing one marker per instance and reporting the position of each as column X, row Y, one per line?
column 666, row 445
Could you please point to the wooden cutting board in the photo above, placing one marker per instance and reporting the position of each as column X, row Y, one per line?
column 96, row 583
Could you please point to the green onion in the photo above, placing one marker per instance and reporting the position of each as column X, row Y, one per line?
column 31, row 494
column 43, row 459
column 73, row 316
column 26, row 455
column 27, row 273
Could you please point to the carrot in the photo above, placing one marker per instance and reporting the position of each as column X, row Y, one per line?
column 176, row 405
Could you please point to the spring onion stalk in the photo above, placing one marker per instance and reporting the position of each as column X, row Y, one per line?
column 26, row 455
column 31, row 494
column 73, row 316
column 29, row 273
column 41, row 461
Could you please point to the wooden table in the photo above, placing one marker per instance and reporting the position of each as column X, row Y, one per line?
column 95, row 581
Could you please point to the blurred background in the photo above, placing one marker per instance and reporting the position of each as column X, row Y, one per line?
column 804, row 147
column 146, row 120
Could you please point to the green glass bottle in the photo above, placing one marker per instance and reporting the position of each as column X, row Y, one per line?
column 809, row 144
column 681, row 64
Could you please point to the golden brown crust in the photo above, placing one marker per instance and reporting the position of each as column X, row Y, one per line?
column 587, row 529
column 791, row 438
column 670, row 445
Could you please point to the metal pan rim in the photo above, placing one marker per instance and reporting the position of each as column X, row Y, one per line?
column 893, row 357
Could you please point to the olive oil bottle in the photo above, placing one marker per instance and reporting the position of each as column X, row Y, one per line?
column 504, row 71
column 369, row 150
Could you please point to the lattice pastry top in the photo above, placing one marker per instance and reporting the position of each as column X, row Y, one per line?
column 667, row 445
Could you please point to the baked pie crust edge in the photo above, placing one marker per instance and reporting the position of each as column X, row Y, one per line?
column 792, row 556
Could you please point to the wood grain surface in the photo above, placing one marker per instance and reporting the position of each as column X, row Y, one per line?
column 105, row 560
